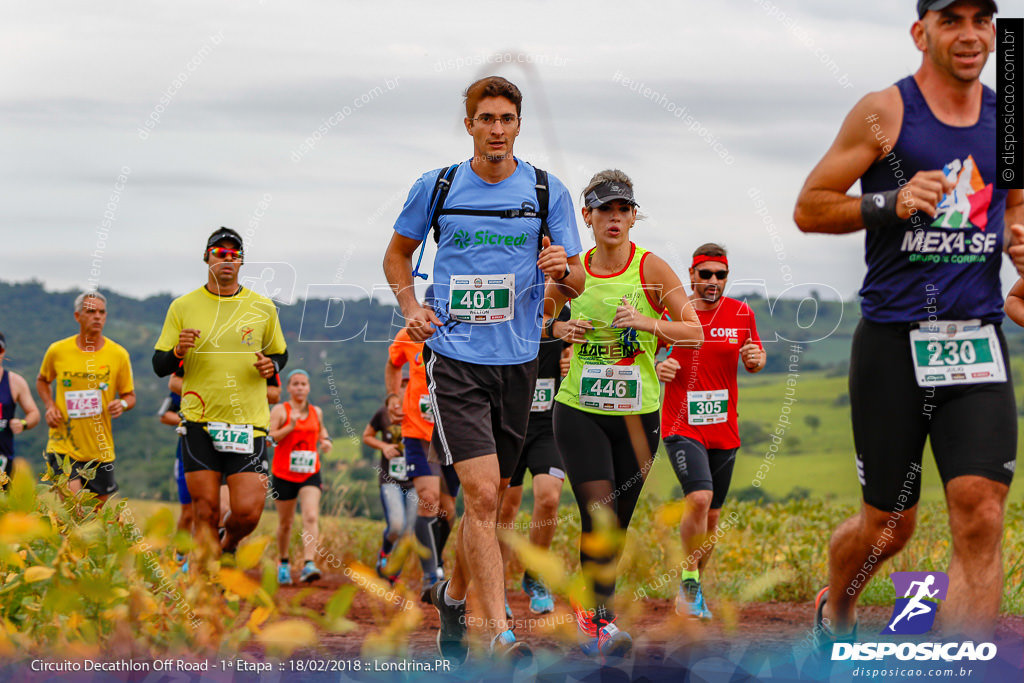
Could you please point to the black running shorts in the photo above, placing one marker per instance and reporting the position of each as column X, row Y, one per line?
column 198, row 454
column 601, row 446
column 289, row 490
column 540, row 454
column 479, row 409
column 701, row 469
column 972, row 428
column 102, row 482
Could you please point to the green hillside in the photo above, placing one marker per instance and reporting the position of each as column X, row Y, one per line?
column 343, row 344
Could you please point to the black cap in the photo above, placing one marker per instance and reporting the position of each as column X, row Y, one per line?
column 924, row 6
column 223, row 233
column 3, row 342
column 609, row 191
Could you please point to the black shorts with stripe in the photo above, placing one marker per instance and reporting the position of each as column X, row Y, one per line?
column 972, row 428
column 479, row 409
column 198, row 454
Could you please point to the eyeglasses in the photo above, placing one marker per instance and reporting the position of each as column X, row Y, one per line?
column 224, row 252
column 708, row 274
column 489, row 119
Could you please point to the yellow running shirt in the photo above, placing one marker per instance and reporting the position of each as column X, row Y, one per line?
column 86, row 382
column 221, row 382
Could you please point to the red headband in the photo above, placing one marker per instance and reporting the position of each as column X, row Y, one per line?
column 704, row 257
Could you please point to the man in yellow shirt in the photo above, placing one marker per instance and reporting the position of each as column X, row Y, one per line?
column 229, row 341
column 94, row 385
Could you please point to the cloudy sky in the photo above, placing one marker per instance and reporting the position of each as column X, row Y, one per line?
column 303, row 124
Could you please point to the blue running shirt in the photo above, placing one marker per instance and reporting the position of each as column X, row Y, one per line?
column 490, row 245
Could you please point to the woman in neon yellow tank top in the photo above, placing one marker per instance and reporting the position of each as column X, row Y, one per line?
column 606, row 414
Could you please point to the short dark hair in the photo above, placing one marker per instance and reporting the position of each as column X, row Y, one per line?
column 492, row 86
column 709, row 249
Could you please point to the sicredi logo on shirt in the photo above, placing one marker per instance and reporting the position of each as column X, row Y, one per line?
column 463, row 239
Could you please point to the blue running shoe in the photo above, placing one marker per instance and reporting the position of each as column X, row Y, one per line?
column 310, row 573
column 505, row 648
column 284, row 574
column 541, row 601
column 690, row 601
column 508, row 610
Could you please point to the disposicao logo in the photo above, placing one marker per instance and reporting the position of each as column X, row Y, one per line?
column 914, row 613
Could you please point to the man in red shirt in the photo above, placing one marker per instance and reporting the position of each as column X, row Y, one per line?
column 698, row 417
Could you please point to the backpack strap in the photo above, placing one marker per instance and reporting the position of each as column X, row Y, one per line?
column 542, row 200
column 442, row 185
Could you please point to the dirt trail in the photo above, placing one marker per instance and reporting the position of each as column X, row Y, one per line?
column 657, row 632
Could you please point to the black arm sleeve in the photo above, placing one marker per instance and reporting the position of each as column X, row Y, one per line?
column 280, row 359
column 164, row 362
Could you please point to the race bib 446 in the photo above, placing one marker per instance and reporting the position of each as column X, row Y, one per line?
column 611, row 387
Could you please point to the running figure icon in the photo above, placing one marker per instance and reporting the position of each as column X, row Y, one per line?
column 917, row 601
column 916, row 606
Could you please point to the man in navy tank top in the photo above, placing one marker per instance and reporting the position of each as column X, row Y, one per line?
column 928, row 360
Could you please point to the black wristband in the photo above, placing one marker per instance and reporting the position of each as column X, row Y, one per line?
column 549, row 328
column 568, row 272
column 878, row 209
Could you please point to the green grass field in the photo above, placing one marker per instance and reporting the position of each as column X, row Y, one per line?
column 820, row 459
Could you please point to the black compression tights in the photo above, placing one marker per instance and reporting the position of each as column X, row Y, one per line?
column 607, row 458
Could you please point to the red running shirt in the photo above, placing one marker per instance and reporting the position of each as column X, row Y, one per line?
column 296, row 457
column 707, row 377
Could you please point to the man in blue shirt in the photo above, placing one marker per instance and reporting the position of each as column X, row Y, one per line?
column 482, row 333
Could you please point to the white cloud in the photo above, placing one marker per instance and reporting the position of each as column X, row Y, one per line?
column 89, row 77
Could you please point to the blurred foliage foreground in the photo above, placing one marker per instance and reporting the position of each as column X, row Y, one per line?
column 90, row 581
